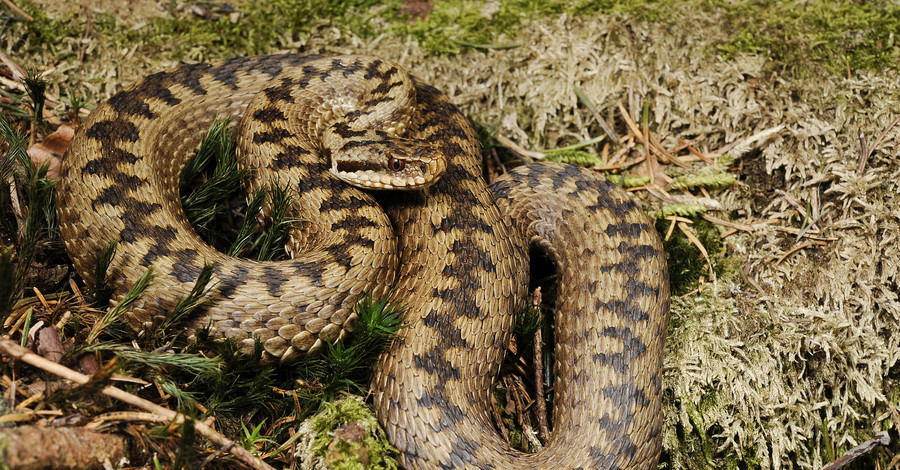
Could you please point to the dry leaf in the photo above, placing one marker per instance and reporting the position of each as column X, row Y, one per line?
column 52, row 149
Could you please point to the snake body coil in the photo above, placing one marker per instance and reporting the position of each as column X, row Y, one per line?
column 462, row 250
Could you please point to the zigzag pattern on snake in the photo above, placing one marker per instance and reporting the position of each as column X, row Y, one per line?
column 454, row 253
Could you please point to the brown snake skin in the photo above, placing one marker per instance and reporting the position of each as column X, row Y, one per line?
column 462, row 250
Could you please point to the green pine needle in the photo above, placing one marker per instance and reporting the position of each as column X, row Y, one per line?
column 27, row 325
column 242, row 243
column 185, row 401
column 116, row 312
column 203, row 204
column 346, row 365
column 529, row 321
column 36, row 88
column 185, row 306
column 190, row 363
column 272, row 241
column 102, row 289
column 15, row 151
column 185, row 454
column 379, row 318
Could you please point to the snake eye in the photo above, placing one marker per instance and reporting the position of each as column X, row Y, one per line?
column 396, row 164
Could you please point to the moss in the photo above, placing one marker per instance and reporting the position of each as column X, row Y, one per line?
column 318, row 447
column 575, row 157
column 802, row 37
column 45, row 33
column 686, row 263
column 454, row 24
column 263, row 27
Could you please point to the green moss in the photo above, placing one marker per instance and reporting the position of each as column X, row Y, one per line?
column 686, row 263
column 699, row 442
column 803, row 37
column 318, row 447
column 263, row 27
column 48, row 34
column 455, row 22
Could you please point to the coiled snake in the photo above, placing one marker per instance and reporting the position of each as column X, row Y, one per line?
column 454, row 251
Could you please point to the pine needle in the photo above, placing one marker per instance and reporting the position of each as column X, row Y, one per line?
column 116, row 312
column 272, row 240
column 102, row 289
column 206, row 201
column 186, row 305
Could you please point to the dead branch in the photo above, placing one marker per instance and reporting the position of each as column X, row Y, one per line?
column 9, row 347
column 32, row 447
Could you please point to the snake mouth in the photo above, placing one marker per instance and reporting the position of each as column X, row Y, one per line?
column 411, row 170
column 414, row 174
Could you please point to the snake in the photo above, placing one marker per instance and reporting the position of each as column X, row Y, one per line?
column 386, row 178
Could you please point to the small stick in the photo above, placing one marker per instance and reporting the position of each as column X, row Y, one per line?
column 867, row 152
column 629, row 144
column 501, row 425
column 734, row 225
column 593, row 109
column 620, row 166
column 629, row 122
column 790, row 199
column 18, row 10
column 863, row 154
column 645, row 139
column 798, row 248
column 541, row 410
column 683, row 144
column 87, row 31
column 10, row 347
column 696, row 241
column 880, row 439
column 518, row 149
column 17, row 71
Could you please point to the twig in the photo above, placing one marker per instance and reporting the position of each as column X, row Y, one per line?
column 541, row 411
column 651, row 145
column 727, row 223
column 620, row 166
column 810, row 225
column 690, row 148
column 518, row 149
column 87, row 31
column 593, row 109
column 790, row 199
column 18, row 72
column 863, row 153
column 696, row 241
column 880, row 439
column 18, row 10
column 645, row 139
column 867, row 152
column 629, row 144
column 798, row 248
column 10, row 347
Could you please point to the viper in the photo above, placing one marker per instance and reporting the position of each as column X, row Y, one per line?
column 385, row 173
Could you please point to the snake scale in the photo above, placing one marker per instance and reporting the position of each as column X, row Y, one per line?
column 452, row 249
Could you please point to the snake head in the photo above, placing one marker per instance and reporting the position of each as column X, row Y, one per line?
column 375, row 160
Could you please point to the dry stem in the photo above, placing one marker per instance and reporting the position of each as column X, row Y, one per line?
column 10, row 347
